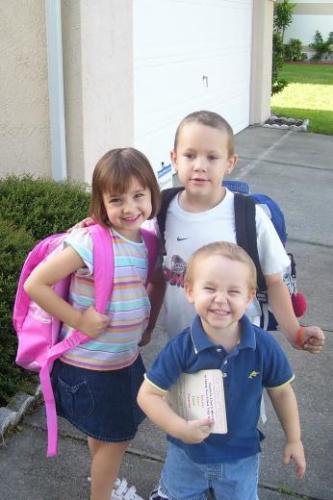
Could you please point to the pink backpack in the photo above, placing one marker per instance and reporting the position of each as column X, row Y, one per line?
column 37, row 331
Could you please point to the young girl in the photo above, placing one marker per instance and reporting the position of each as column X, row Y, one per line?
column 96, row 383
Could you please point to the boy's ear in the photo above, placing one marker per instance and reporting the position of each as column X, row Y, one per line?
column 173, row 158
column 232, row 161
column 252, row 294
column 188, row 292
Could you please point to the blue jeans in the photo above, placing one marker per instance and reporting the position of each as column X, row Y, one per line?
column 183, row 479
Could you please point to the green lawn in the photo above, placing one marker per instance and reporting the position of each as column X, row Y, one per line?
column 308, row 95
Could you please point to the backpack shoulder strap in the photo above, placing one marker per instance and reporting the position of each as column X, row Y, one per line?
column 246, row 232
column 103, row 256
column 151, row 241
column 167, row 196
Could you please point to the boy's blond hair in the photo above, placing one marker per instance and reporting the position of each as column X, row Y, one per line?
column 225, row 249
column 209, row 119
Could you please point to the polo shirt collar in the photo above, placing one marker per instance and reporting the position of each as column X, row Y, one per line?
column 201, row 341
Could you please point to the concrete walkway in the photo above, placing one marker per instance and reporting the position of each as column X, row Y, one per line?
column 295, row 169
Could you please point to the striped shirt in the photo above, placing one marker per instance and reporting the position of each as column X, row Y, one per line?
column 128, row 310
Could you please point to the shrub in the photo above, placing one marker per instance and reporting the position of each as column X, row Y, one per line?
column 42, row 206
column 293, row 51
column 279, row 85
column 277, row 62
column 15, row 243
column 283, row 15
column 30, row 210
column 322, row 47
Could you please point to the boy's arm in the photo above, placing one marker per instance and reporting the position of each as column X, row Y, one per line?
column 281, row 305
column 156, row 290
column 88, row 221
column 285, row 406
column 152, row 401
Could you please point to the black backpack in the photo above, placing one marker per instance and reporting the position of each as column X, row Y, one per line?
column 246, row 237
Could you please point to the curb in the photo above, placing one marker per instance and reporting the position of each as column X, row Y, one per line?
column 17, row 407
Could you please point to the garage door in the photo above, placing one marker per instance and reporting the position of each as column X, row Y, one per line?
column 188, row 55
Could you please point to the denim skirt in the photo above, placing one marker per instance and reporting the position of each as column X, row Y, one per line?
column 101, row 404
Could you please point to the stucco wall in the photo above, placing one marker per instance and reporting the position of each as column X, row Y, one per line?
column 24, row 118
column 98, row 84
column 98, row 73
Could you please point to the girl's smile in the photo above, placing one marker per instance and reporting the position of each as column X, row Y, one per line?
column 127, row 211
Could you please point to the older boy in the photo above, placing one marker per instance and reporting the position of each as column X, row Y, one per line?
column 203, row 212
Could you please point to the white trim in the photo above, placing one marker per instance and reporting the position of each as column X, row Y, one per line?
column 56, row 89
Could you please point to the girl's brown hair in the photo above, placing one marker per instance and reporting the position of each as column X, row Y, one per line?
column 225, row 249
column 114, row 172
column 209, row 119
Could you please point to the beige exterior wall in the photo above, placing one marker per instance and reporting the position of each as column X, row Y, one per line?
column 98, row 84
column 24, row 116
column 261, row 72
column 98, row 75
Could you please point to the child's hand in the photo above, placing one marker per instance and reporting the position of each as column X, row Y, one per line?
column 295, row 451
column 88, row 221
column 92, row 323
column 195, row 431
column 146, row 337
column 312, row 340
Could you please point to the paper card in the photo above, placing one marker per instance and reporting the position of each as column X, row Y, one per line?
column 200, row 395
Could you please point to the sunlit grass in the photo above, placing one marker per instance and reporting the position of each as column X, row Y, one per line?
column 308, row 95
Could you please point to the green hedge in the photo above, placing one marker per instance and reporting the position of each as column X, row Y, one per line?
column 30, row 210
column 42, row 206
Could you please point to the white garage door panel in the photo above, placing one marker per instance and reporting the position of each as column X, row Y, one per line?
column 188, row 55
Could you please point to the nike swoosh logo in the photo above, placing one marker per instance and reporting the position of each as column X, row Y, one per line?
column 181, row 239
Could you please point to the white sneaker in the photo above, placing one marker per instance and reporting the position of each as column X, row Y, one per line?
column 156, row 494
column 122, row 492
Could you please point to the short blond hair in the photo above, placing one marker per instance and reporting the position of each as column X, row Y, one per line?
column 209, row 119
column 225, row 249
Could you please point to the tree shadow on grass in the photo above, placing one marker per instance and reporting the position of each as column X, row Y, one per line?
column 319, row 74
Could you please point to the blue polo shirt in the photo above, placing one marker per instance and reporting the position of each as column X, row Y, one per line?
column 256, row 362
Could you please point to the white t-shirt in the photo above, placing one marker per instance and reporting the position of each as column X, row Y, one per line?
column 185, row 232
